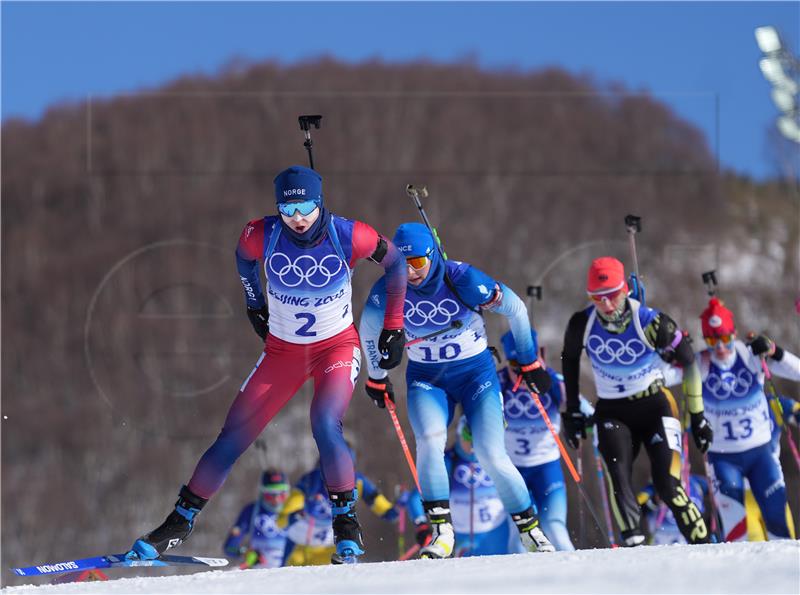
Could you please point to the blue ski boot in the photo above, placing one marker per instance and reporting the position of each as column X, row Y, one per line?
column 346, row 530
column 173, row 531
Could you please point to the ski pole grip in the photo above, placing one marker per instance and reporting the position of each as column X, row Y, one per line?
column 633, row 223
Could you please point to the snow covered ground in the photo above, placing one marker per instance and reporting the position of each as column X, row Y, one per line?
column 725, row 568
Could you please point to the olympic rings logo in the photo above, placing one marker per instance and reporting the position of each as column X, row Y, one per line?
column 305, row 269
column 476, row 478
column 521, row 405
column 615, row 350
column 267, row 526
column 425, row 311
column 726, row 385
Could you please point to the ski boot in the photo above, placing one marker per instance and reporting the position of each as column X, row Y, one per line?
column 632, row 538
column 173, row 531
column 443, row 536
column 346, row 530
column 533, row 538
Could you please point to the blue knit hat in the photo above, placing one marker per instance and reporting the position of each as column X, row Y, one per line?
column 298, row 183
column 414, row 239
column 510, row 348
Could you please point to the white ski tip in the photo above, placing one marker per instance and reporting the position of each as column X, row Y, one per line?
column 216, row 562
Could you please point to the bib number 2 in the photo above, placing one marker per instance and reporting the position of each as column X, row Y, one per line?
column 305, row 330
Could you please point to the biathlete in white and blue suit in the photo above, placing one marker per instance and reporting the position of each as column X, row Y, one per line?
column 454, row 367
column 532, row 447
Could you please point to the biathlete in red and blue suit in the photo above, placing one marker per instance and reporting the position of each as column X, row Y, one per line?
column 308, row 255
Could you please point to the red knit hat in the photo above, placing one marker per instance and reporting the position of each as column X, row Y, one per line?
column 606, row 274
column 717, row 320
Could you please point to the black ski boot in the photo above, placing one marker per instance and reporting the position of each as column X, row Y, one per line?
column 346, row 530
column 173, row 531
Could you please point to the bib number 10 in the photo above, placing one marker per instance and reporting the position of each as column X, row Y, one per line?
column 446, row 352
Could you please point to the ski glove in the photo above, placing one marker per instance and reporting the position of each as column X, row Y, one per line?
column 575, row 423
column 259, row 318
column 377, row 388
column 252, row 558
column 761, row 345
column 536, row 377
column 702, row 432
column 391, row 344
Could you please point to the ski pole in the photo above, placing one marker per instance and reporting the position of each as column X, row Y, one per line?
column 410, row 553
column 401, row 436
column 306, row 122
column 456, row 324
column 416, row 194
column 633, row 224
column 711, row 500
column 543, row 412
column 581, row 510
column 603, row 495
column 471, row 507
column 532, row 292
column 710, row 279
column 401, row 529
column 770, row 385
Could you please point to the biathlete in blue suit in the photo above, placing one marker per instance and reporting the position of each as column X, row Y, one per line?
column 531, row 446
column 257, row 535
column 454, row 367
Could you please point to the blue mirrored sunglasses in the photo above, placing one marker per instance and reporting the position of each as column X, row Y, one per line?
column 305, row 207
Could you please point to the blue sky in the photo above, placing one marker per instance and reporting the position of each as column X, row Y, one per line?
column 690, row 55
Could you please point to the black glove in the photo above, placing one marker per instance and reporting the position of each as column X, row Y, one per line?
column 575, row 423
column 702, row 432
column 260, row 320
column 761, row 345
column 424, row 534
column 536, row 377
column 391, row 344
column 377, row 388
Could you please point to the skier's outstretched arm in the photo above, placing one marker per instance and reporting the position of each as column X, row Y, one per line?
column 780, row 361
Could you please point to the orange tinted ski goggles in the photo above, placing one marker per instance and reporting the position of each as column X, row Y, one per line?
column 711, row 341
column 610, row 296
column 418, row 262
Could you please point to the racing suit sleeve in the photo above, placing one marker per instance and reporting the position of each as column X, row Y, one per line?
column 675, row 348
column 369, row 329
column 368, row 243
column 571, row 358
column 248, row 251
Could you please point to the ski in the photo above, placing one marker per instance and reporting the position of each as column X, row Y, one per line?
column 116, row 561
